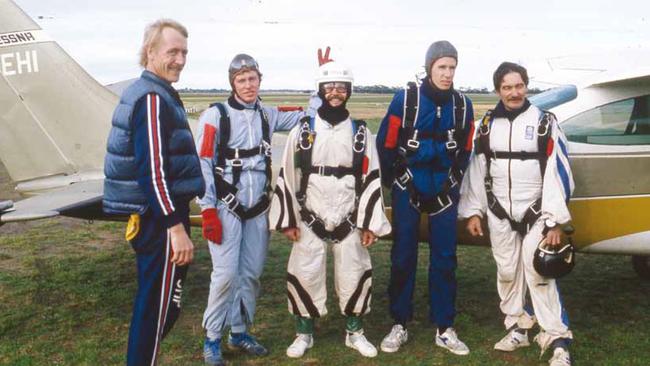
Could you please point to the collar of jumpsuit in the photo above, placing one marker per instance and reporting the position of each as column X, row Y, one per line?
column 500, row 111
column 237, row 104
column 438, row 96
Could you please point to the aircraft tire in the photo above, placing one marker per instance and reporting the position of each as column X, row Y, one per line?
column 641, row 266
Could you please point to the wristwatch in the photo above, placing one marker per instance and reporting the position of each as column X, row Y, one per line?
column 550, row 224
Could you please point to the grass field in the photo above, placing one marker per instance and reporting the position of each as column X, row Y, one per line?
column 67, row 286
column 66, row 291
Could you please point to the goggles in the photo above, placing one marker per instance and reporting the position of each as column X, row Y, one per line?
column 338, row 87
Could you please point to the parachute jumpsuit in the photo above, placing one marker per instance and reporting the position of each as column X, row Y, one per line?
column 516, row 185
column 237, row 262
column 331, row 199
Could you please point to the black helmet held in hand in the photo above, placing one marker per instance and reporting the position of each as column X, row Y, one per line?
column 554, row 262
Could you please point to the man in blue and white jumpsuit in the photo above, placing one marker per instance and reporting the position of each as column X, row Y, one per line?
column 238, row 245
column 424, row 145
column 530, row 184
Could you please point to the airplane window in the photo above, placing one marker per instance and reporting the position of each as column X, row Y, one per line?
column 626, row 122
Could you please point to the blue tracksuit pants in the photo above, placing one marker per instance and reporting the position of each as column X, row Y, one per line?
column 160, row 285
column 442, row 261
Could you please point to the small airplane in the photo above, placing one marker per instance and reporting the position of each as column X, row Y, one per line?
column 55, row 119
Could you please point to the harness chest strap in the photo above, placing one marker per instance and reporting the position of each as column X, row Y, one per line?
column 227, row 192
column 305, row 147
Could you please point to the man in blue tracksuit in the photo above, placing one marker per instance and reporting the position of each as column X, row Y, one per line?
column 152, row 172
column 234, row 147
column 424, row 143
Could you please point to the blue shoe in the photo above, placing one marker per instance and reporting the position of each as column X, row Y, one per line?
column 212, row 352
column 247, row 343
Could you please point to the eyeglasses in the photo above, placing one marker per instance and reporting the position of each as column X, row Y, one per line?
column 339, row 87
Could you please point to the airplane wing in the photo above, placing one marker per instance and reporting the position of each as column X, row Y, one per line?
column 82, row 200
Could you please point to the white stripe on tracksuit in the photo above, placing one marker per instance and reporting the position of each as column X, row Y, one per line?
column 155, row 152
column 165, row 296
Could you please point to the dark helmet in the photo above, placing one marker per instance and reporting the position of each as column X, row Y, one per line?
column 242, row 62
column 554, row 262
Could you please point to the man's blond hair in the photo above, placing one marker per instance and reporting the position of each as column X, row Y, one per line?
column 152, row 34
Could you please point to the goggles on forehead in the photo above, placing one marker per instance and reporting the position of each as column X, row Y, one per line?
column 242, row 62
column 339, row 87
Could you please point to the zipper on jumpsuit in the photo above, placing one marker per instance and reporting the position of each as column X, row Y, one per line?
column 509, row 168
column 250, row 146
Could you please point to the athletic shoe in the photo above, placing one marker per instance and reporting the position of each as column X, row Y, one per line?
column 392, row 341
column 212, row 352
column 561, row 357
column 302, row 343
column 247, row 343
column 512, row 341
column 359, row 342
column 450, row 341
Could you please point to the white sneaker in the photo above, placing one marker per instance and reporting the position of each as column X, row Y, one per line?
column 450, row 341
column 359, row 342
column 512, row 341
column 560, row 357
column 392, row 341
column 302, row 343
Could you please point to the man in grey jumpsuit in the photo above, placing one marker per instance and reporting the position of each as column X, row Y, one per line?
column 236, row 199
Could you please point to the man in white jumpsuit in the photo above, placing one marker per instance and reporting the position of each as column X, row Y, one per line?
column 519, row 176
column 233, row 140
column 328, row 192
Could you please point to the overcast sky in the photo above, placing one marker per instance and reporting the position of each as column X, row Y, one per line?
column 382, row 42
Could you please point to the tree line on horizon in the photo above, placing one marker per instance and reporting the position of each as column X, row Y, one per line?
column 361, row 89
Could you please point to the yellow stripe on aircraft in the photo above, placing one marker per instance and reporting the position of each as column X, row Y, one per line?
column 601, row 218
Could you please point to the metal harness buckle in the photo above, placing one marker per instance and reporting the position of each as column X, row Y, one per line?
column 266, row 149
column 444, row 204
column 359, row 140
column 305, row 140
column 532, row 208
column 352, row 224
column 484, row 128
column 451, row 143
column 313, row 220
column 229, row 199
column 305, row 136
column 542, row 130
column 452, row 180
column 404, row 179
column 237, row 163
column 413, row 144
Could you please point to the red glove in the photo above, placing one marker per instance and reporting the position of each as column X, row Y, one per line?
column 322, row 60
column 211, row 225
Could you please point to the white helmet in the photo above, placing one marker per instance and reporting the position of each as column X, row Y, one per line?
column 332, row 71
